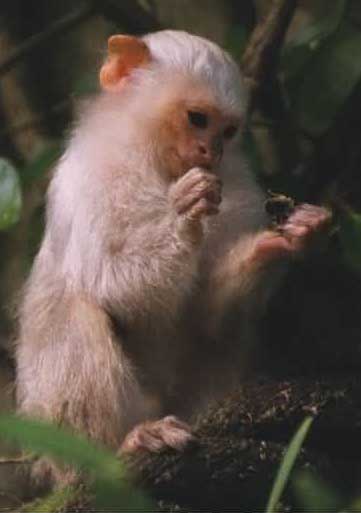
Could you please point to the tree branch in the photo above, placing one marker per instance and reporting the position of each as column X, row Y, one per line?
column 128, row 14
column 261, row 56
column 242, row 439
column 58, row 27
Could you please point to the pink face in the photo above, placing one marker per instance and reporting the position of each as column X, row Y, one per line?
column 193, row 135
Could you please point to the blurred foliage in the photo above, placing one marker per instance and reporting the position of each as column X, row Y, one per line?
column 236, row 41
column 86, row 85
column 10, row 195
column 313, row 494
column 350, row 236
column 57, row 501
column 320, row 87
column 107, row 473
column 107, row 485
column 305, row 43
column 40, row 164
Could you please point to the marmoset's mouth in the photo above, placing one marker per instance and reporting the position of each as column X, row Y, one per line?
column 210, row 165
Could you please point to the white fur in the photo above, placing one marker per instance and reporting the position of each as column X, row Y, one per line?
column 113, row 243
column 194, row 56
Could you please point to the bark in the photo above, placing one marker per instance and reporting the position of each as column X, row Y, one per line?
column 242, row 439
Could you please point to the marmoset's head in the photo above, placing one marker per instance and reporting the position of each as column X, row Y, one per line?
column 188, row 95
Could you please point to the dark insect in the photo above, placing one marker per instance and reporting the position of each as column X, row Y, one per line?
column 279, row 207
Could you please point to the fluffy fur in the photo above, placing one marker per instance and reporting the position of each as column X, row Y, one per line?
column 126, row 314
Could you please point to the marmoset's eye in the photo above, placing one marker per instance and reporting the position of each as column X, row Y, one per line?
column 198, row 119
column 230, row 131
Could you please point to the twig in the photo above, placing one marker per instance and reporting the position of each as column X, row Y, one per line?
column 261, row 55
column 58, row 27
column 20, row 459
column 128, row 14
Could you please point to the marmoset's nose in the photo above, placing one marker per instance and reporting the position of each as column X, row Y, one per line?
column 211, row 152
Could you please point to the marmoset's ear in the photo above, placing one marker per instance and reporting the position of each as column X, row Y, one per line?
column 124, row 54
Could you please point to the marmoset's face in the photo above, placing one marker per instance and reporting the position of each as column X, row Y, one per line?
column 193, row 134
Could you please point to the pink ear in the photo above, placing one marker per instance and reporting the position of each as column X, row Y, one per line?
column 124, row 54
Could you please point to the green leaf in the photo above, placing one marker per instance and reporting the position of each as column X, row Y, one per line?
column 10, row 195
column 41, row 163
column 313, row 494
column 350, row 238
column 302, row 47
column 355, row 506
column 328, row 80
column 110, row 486
column 287, row 464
